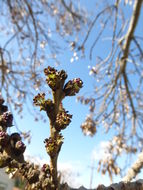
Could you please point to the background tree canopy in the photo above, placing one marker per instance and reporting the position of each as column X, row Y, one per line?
column 33, row 32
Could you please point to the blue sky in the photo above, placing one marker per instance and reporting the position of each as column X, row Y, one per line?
column 78, row 151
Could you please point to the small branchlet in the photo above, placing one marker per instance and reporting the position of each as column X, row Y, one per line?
column 12, row 148
column 58, row 116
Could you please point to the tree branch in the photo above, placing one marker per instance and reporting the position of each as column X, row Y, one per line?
column 130, row 33
column 135, row 169
column 74, row 14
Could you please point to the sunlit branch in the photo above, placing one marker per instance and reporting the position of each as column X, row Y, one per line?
column 135, row 168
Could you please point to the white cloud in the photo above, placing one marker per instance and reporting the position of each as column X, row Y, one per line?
column 101, row 152
column 71, row 173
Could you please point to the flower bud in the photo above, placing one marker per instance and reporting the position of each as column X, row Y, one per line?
column 14, row 138
column 49, row 70
column 52, row 76
column 53, row 145
column 6, row 119
column 63, row 119
column 20, row 147
column 46, row 105
column 3, row 138
column 46, row 169
column 55, row 79
column 39, row 99
column 72, row 87
column 33, row 175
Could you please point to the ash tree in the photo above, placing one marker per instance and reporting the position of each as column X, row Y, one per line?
column 114, row 26
column 116, row 101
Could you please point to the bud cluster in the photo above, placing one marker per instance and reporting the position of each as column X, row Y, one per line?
column 30, row 172
column 54, row 78
column 63, row 119
column 20, row 147
column 46, row 105
column 11, row 146
column 17, row 146
column 53, row 145
column 46, row 169
column 72, row 87
column 6, row 119
column 39, row 100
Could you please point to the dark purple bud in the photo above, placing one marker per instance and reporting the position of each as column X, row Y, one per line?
column 6, row 119
column 15, row 137
column 46, row 168
column 20, row 146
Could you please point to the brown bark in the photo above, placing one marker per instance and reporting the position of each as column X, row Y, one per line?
column 53, row 167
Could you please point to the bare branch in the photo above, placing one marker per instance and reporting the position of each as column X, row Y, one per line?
column 74, row 14
column 135, row 168
column 130, row 33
